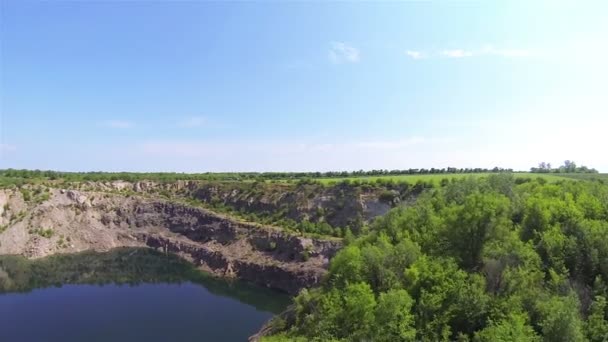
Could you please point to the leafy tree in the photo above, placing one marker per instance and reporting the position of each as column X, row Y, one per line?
column 358, row 310
column 560, row 319
column 469, row 226
column 394, row 320
column 512, row 328
column 347, row 266
column 596, row 326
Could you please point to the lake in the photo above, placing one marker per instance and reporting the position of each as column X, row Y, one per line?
column 126, row 295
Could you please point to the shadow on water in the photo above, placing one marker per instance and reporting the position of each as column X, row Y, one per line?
column 131, row 266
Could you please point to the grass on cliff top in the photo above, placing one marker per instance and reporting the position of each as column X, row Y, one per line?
column 587, row 176
column 436, row 178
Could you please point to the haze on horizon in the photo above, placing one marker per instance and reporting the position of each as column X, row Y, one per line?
column 197, row 86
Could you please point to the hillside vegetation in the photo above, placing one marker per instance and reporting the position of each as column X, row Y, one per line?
column 428, row 257
column 439, row 178
column 307, row 203
column 487, row 259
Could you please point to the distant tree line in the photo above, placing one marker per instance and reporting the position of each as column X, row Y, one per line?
column 380, row 172
column 568, row 167
column 173, row 176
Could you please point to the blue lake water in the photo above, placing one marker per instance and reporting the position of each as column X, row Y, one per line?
column 120, row 307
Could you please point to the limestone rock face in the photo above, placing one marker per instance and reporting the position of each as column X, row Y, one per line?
column 77, row 197
column 339, row 206
column 76, row 220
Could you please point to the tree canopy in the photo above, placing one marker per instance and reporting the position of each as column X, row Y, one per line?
column 486, row 259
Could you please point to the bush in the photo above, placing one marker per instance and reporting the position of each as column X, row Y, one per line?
column 45, row 233
column 27, row 195
column 388, row 197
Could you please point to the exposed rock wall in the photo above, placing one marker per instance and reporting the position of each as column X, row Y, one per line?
column 70, row 221
column 339, row 205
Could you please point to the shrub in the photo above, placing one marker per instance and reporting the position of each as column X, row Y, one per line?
column 45, row 233
column 27, row 195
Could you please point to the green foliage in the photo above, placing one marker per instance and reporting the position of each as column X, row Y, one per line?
column 347, row 267
column 44, row 232
column 596, row 327
column 480, row 258
column 568, row 167
column 560, row 319
column 283, row 338
column 482, row 217
column 394, row 320
column 512, row 328
column 43, row 197
column 388, row 196
column 357, row 311
column 272, row 245
column 61, row 243
column 12, row 176
column 27, row 195
column 474, row 260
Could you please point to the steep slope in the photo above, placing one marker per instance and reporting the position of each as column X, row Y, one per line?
column 66, row 221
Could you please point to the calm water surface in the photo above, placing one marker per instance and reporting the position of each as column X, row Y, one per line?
column 126, row 296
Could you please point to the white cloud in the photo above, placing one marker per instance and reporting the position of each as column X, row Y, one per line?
column 341, row 52
column 195, row 121
column 7, row 148
column 415, row 54
column 117, row 124
column 456, row 53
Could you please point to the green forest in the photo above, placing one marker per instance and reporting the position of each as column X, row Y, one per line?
column 480, row 259
column 28, row 175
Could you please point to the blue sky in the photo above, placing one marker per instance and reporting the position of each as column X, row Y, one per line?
column 195, row 86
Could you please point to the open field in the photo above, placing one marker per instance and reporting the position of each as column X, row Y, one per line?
column 435, row 178
column 587, row 176
column 18, row 177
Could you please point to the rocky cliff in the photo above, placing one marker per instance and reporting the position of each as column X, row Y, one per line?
column 44, row 221
column 339, row 205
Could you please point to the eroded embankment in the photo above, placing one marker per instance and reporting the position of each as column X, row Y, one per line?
column 338, row 206
column 69, row 221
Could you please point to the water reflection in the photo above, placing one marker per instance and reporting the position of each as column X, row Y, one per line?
column 131, row 266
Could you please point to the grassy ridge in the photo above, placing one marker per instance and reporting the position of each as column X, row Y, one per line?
column 587, row 176
column 10, row 177
column 436, row 178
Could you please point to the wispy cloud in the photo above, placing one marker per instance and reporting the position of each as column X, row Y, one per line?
column 415, row 54
column 341, row 52
column 121, row 124
column 7, row 148
column 194, row 121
